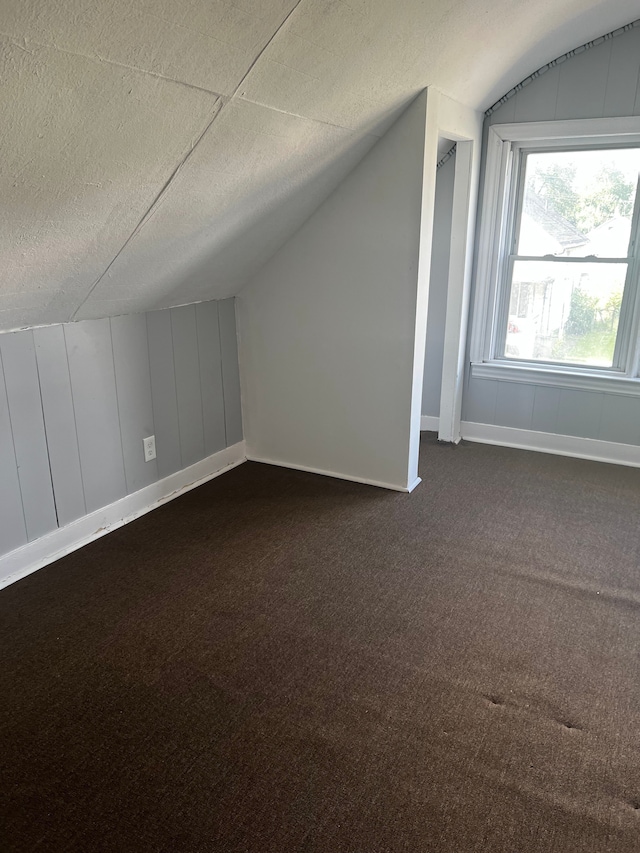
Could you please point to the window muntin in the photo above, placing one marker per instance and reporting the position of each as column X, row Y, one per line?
column 564, row 313
column 566, row 291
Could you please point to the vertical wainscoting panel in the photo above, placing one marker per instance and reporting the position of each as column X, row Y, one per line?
column 163, row 392
column 77, row 400
column 230, row 370
column 514, row 405
column 579, row 413
column 135, row 406
column 13, row 531
column 583, row 83
column 211, row 377
column 187, row 367
column 505, row 113
column 93, row 385
column 479, row 403
column 545, row 409
column 537, row 101
column 60, row 424
column 620, row 420
column 30, row 443
column 622, row 79
column 636, row 108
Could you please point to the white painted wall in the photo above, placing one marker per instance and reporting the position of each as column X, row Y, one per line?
column 327, row 329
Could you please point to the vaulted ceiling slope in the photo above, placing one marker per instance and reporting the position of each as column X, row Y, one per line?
column 157, row 152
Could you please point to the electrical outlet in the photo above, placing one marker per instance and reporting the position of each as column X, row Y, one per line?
column 149, row 448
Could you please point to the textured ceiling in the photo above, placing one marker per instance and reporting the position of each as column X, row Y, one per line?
column 157, row 152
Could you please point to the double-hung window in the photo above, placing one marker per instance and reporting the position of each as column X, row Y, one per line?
column 557, row 294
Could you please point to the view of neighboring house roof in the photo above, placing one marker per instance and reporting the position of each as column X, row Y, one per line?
column 553, row 223
column 611, row 238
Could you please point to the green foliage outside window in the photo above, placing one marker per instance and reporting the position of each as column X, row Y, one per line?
column 590, row 331
column 613, row 195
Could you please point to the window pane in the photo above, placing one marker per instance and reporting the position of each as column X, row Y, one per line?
column 579, row 203
column 564, row 312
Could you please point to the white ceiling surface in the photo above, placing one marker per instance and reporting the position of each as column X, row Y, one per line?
column 157, row 152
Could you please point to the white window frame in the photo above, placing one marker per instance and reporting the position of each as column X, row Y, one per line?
column 496, row 225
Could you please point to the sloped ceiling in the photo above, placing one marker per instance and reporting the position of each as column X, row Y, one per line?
column 157, row 152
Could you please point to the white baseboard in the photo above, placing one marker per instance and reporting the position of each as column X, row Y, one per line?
column 415, row 483
column 34, row 555
column 254, row 458
column 547, row 442
column 430, row 422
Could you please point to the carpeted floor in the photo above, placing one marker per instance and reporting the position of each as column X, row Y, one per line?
column 279, row 662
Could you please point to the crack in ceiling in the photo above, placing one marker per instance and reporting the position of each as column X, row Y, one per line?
column 220, row 105
column 156, row 152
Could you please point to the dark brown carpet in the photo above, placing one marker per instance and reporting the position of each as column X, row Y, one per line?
column 282, row 662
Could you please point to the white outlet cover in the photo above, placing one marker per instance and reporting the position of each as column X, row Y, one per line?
column 149, row 448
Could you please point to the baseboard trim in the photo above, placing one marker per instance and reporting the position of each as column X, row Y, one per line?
column 559, row 445
column 415, row 483
column 251, row 457
column 429, row 422
column 29, row 558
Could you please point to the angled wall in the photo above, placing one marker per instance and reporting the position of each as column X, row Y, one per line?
column 76, row 401
column 327, row 328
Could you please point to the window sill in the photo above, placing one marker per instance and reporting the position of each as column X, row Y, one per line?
column 576, row 379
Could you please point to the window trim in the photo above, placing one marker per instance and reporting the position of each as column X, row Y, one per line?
column 496, row 228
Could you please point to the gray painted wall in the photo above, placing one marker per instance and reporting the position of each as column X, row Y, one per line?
column 600, row 82
column 566, row 411
column 438, row 283
column 76, row 401
column 327, row 329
